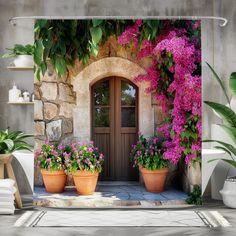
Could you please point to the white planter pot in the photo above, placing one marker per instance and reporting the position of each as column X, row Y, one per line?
column 24, row 61
column 229, row 192
column 26, row 159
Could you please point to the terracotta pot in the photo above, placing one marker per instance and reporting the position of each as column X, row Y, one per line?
column 85, row 181
column 54, row 180
column 154, row 180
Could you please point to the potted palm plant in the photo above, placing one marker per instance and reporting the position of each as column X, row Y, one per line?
column 23, row 55
column 85, row 163
column 11, row 141
column 147, row 154
column 49, row 158
column 228, row 116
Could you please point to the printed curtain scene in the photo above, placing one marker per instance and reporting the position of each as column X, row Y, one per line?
column 118, row 110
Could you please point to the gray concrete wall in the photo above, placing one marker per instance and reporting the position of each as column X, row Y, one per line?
column 218, row 44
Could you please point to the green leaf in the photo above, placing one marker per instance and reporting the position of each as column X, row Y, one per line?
column 22, row 146
column 224, row 149
column 232, row 83
column 9, row 143
column 231, row 162
column 220, row 82
column 94, row 49
column 39, row 24
column 60, row 66
column 43, row 68
column 37, row 73
column 38, row 52
column 97, row 22
column 73, row 29
column 96, row 34
column 153, row 24
column 85, row 59
column 62, row 47
column 19, row 49
column 227, row 115
column 230, row 147
column 231, row 131
column 48, row 43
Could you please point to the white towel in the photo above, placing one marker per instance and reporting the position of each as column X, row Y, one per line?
column 7, row 182
column 8, row 205
column 6, row 191
column 7, row 198
column 11, row 189
column 7, row 211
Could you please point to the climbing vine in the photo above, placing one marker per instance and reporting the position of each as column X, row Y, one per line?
column 65, row 41
column 175, row 81
column 174, row 75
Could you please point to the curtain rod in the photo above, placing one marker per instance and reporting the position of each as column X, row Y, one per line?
column 223, row 21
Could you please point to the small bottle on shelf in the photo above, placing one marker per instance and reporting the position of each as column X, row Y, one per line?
column 26, row 96
column 14, row 94
column 20, row 99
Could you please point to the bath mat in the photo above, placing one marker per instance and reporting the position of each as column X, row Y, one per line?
column 103, row 218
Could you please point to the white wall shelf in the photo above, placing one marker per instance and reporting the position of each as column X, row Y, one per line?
column 19, row 68
column 21, row 103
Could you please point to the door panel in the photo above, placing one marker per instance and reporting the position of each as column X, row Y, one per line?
column 127, row 172
column 115, row 125
column 102, row 141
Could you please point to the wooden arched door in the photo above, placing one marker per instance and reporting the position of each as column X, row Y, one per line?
column 115, row 125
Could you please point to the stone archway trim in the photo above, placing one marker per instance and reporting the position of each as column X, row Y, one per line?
column 110, row 66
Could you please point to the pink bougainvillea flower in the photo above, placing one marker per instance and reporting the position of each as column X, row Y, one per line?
column 174, row 83
column 130, row 34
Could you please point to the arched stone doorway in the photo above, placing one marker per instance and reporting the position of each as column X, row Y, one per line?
column 110, row 66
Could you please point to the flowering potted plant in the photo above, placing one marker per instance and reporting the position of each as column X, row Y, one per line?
column 85, row 163
column 147, row 154
column 50, row 159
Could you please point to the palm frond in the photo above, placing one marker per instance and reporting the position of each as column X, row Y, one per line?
column 226, row 114
column 231, row 131
column 231, row 162
column 220, row 82
column 13, row 140
column 224, row 149
column 229, row 147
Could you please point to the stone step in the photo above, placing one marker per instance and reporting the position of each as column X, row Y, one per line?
column 129, row 195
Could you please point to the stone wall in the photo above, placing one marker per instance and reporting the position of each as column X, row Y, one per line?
column 53, row 110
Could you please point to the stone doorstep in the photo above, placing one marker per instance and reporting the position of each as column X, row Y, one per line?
column 70, row 199
column 59, row 203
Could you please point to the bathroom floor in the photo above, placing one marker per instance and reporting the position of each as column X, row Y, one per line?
column 7, row 222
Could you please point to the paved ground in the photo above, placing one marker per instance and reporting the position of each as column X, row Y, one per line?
column 107, row 195
column 6, row 223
